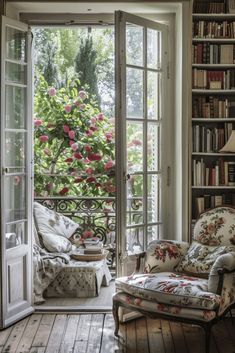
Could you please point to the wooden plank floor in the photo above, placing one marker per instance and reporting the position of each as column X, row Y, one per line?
column 93, row 333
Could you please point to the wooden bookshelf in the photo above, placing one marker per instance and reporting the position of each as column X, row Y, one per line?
column 213, row 105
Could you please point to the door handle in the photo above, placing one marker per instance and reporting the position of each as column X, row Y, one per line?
column 127, row 177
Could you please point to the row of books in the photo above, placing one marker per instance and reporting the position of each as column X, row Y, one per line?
column 207, row 79
column 213, row 29
column 210, row 140
column 222, row 173
column 205, row 53
column 205, row 202
column 209, row 7
column 212, row 107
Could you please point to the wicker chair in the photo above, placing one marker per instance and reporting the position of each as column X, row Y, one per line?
column 192, row 284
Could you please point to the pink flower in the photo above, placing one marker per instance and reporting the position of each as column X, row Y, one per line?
column 89, row 171
column 77, row 103
column 71, row 142
column 68, row 108
column 78, row 180
column 16, row 180
column 44, row 138
column 136, row 142
column 94, row 157
column 69, row 160
column 77, row 155
column 49, row 186
column 109, row 135
column 89, row 133
column 109, row 165
column 100, row 116
column 86, row 161
column 52, row 91
column 91, row 180
column 47, row 151
column 66, row 128
column 109, row 187
column 74, row 146
column 82, row 106
column 37, row 122
column 64, row 191
column 87, row 148
column 93, row 128
column 93, row 120
column 82, row 95
column 88, row 233
column 71, row 134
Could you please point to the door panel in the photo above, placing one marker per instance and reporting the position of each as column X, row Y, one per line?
column 141, row 67
column 16, row 172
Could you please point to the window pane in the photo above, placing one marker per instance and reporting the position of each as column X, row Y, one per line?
column 134, row 205
column 135, row 240
column 154, row 198
column 134, row 140
column 15, row 44
column 15, row 107
column 153, row 49
column 154, row 233
column 16, row 73
column 153, row 144
column 15, row 149
column 134, row 45
column 154, row 95
column 134, row 93
column 15, row 197
column 15, row 234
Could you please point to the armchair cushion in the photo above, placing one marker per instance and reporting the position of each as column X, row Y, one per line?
column 171, row 310
column 164, row 255
column 200, row 258
column 224, row 262
column 170, row 288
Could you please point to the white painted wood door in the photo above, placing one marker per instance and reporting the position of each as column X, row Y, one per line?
column 16, row 172
column 141, row 89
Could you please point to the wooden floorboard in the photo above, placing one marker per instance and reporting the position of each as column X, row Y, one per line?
column 93, row 333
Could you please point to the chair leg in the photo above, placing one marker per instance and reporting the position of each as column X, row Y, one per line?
column 207, row 337
column 115, row 316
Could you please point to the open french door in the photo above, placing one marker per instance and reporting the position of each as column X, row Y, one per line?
column 16, row 172
column 141, row 87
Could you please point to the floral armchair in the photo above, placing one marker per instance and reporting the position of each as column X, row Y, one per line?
column 186, row 283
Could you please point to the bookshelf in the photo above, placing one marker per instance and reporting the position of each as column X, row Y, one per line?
column 213, row 104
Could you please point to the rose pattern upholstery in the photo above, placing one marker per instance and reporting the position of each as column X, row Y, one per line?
column 164, row 255
column 186, row 282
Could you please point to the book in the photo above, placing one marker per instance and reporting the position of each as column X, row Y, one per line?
column 231, row 173
column 93, row 251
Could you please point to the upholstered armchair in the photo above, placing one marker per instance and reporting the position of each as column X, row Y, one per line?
column 193, row 284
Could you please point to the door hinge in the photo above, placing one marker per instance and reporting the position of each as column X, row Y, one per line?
column 168, row 182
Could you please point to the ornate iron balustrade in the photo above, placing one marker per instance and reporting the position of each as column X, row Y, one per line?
column 95, row 216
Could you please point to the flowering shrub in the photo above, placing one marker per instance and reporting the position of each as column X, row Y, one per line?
column 74, row 144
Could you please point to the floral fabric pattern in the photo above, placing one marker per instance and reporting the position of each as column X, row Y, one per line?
column 164, row 255
column 216, row 227
column 170, row 288
column 200, row 258
column 138, row 304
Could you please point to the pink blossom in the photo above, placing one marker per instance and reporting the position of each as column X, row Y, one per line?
column 77, row 103
column 77, row 155
column 93, row 128
column 71, row 142
column 94, row 157
column 93, row 120
column 69, row 160
column 86, row 161
column 43, row 138
column 100, row 116
column 89, row 133
column 87, row 148
column 71, row 134
column 64, row 191
column 82, row 106
column 47, row 151
column 89, row 171
column 16, row 180
column 109, row 165
column 136, row 142
column 68, row 108
column 74, row 146
column 52, row 91
column 66, row 128
column 82, row 95
column 88, row 233
column 109, row 187
column 37, row 122
column 109, row 135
